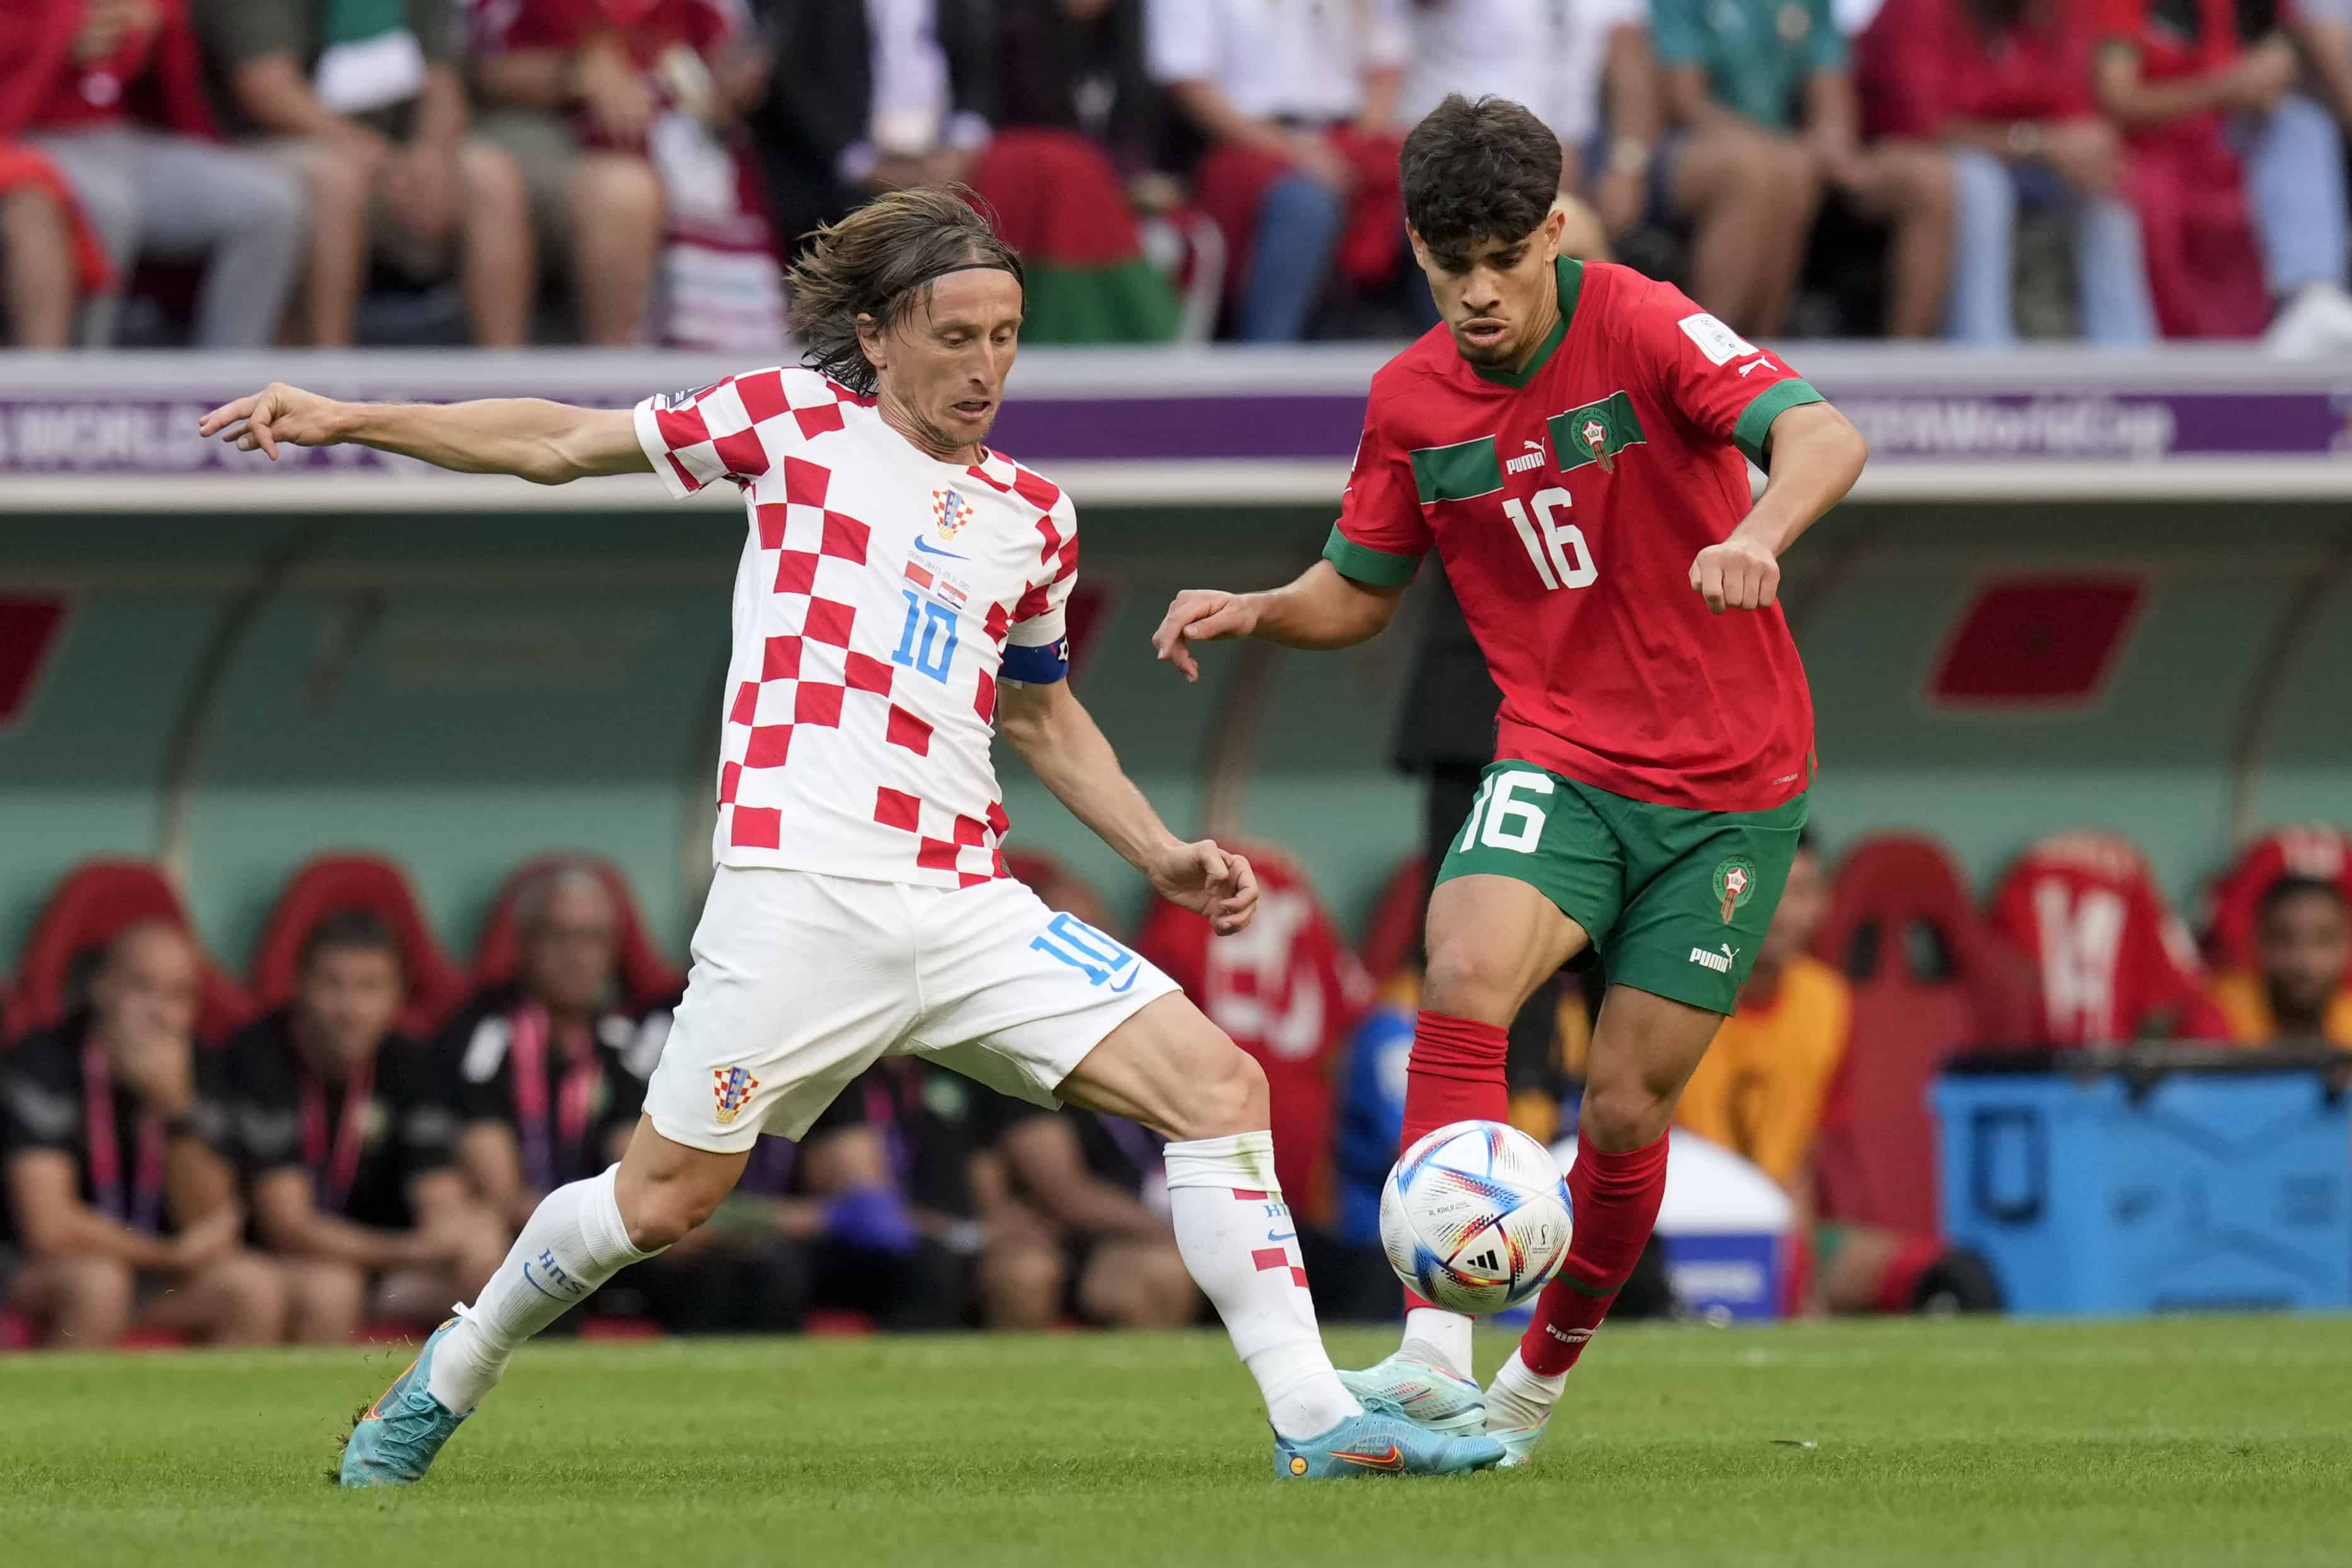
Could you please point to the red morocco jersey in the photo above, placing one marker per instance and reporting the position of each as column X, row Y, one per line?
column 1566, row 502
column 881, row 594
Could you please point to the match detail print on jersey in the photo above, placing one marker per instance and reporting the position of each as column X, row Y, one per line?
column 881, row 595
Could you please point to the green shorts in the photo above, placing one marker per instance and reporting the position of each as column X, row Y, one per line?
column 1677, row 902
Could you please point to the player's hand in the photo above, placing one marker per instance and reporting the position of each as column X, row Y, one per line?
column 278, row 413
column 1209, row 881
column 1736, row 574
column 1202, row 614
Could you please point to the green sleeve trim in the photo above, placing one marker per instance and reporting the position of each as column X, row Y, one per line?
column 1756, row 424
column 1363, row 563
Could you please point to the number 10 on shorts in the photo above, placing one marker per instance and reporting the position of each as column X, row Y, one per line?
column 1509, row 821
column 1087, row 951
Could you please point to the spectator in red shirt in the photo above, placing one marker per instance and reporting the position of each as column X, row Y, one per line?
column 2238, row 184
column 2006, row 86
column 109, row 91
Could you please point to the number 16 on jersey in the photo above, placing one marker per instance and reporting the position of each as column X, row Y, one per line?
column 1557, row 548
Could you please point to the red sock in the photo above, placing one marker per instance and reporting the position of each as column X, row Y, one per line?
column 1615, row 1200
column 1454, row 1074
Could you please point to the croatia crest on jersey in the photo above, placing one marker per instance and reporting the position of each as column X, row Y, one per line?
column 950, row 511
column 732, row 1087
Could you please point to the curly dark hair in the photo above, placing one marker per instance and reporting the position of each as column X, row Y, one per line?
column 879, row 263
column 1476, row 171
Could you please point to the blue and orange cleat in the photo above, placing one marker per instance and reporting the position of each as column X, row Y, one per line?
column 1378, row 1444
column 395, row 1440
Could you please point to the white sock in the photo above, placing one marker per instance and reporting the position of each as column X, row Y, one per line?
column 574, row 1242
column 1440, row 1338
column 1238, row 1240
column 1518, row 1397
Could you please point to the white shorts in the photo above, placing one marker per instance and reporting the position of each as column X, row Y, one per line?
column 802, row 981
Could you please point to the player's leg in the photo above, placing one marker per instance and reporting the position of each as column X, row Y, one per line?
column 1170, row 1069
column 1043, row 1007
column 1706, row 884
column 1530, row 851
column 799, row 983
column 1645, row 1048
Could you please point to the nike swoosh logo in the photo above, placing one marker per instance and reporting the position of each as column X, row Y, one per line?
column 935, row 549
column 1286, row 1235
column 1392, row 1458
column 1124, row 987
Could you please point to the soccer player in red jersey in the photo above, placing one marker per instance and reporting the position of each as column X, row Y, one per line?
column 1574, row 443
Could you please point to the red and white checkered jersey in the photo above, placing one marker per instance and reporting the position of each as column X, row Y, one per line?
column 882, row 594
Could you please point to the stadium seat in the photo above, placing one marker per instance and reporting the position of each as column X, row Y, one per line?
column 2309, row 849
column 644, row 971
column 331, row 884
column 1928, row 978
column 1289, row 991
column 94, row 901
column 1392, row 936
column 2112, row 962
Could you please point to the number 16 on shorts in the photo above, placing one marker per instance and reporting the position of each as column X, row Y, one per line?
column 1508, row 821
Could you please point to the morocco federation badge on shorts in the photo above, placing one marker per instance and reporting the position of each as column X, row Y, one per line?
column 732, row 1087
column 1735, row 884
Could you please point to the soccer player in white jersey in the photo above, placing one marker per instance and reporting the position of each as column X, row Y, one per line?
column 901, row 596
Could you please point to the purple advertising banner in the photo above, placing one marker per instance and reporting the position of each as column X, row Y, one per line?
column 156, row 435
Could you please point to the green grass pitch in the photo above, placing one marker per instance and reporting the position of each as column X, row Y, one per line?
column 2182, row 1441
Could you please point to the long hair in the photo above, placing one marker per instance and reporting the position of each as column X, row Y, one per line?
column 877, row 264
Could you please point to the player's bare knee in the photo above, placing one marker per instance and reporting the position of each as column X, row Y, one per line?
column 1617, row 1117
column 1469, row 979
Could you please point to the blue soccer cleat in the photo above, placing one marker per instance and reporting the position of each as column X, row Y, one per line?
column 1429, row 1396
column 395, row 1440
column 1378, row 1444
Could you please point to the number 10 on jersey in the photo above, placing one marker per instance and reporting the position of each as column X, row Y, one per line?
column 1557, row 548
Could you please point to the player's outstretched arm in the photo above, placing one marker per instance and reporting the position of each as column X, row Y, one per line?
column 1071, row 756
column 1816, row 454
column 1319, row 609
column 546, row 443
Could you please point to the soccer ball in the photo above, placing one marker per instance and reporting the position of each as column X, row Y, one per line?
column 1474, row 1216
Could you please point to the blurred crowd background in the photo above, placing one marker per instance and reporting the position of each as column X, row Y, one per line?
column 243, row 172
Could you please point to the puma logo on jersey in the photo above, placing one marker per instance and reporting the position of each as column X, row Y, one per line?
column 1525, row 460
column 1718, row 962
column 1757, row 363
